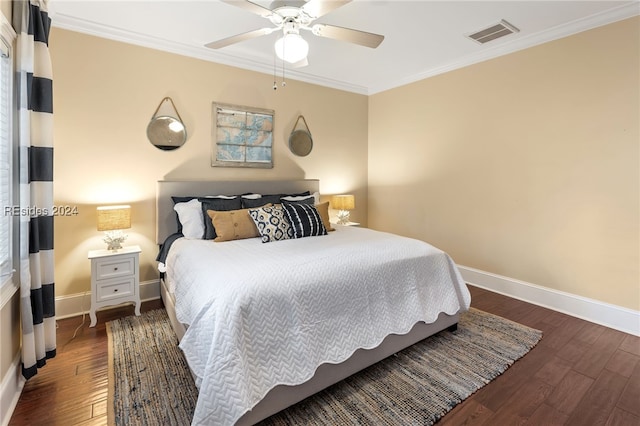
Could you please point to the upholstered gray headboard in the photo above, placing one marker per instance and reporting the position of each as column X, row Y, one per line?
column 165, row 215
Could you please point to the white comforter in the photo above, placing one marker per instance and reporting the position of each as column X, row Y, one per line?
column 260, row 315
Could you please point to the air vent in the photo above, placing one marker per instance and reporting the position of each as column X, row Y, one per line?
column 498, row 30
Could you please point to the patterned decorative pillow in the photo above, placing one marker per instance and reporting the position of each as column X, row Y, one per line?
column 272, row 223
column 304, row 219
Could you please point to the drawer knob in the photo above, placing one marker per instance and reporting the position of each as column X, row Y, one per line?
column 115, row 269
column 115, row 290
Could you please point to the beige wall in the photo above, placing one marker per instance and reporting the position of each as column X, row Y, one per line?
column 105, row 92
column 6, row 8
column 525, row 166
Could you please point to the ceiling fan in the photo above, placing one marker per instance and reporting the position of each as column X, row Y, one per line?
column 292, row 16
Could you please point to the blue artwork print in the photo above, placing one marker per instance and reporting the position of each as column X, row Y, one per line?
column 243, row 137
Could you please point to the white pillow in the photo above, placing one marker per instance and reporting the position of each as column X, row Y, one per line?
column 252, row 196
column 315, row 195
column 191, row 219
column 224, row 197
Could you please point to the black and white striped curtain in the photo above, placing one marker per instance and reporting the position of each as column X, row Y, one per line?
column 35, row 132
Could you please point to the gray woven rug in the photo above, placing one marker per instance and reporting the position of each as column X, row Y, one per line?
column 150, row 383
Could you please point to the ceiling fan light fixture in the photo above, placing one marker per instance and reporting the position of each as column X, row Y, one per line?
column 292, row 48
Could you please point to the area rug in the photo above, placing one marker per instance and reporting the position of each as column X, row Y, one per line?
column 150, row 383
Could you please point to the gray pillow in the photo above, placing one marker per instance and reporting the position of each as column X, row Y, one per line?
column 218, row 204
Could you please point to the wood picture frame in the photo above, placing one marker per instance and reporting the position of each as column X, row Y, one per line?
column 242, row 136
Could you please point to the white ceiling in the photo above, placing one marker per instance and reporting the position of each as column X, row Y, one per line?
column 422, row 38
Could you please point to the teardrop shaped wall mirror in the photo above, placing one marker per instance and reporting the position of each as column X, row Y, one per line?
column 300, row 140
column 164, row 131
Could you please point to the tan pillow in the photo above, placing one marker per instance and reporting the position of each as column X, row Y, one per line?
column 323, row 209
column 233, row 225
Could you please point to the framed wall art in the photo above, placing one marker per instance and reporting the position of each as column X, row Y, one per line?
column 242, row 136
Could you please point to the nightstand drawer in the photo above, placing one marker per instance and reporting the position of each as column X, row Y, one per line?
column 113, row 268
column 114, row 289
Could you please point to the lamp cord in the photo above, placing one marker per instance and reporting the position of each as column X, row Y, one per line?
column 83, row 319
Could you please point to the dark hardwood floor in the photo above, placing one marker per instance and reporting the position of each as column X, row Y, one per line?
column 579, row 374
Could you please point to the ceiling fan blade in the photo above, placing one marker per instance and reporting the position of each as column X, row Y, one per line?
column 362, row 38
column 318, row 8
column 250, row 6
column 239, row 37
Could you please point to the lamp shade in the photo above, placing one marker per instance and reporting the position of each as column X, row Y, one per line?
column 111, row 218
column 292, row 48
column 343, row 202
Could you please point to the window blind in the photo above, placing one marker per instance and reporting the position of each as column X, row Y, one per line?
column 6, row 200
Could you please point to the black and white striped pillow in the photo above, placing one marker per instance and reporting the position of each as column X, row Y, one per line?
column 304, row 219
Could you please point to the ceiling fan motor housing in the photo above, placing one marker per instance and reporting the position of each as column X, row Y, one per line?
column 286, row 14
column 290, row 27
column 277, row 4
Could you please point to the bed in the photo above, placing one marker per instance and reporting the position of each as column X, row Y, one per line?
column 263, row 326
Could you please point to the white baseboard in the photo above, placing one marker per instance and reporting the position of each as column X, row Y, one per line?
column 76, row 304
column 612, row 316
column 10, row 390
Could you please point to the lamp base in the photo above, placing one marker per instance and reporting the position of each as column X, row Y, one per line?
column 114, row 239
column 343, row 217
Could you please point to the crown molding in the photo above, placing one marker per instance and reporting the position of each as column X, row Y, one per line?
column 71, row 23
column 561, row 31
column 91, row 28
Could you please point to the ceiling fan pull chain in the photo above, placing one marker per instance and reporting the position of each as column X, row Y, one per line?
column 275, row 85
column 284, row 83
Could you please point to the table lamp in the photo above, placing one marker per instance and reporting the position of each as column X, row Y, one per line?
column 112, row 219
column 343, row 203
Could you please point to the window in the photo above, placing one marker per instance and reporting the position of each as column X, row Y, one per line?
column 7, row 36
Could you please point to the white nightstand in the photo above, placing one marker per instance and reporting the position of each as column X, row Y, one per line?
column 115, row 279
